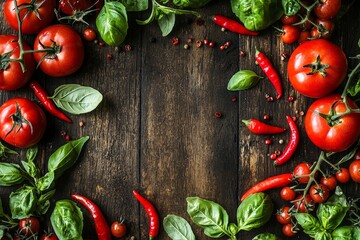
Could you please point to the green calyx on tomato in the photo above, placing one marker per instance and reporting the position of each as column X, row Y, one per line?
column 317, row 66
column 18, row 121
column 5, row 60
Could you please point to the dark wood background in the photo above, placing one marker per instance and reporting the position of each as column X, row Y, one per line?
column 156, row 131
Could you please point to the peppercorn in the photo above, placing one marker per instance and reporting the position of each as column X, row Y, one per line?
column 222, row 47
column 218, row 114
column 266, row 117
column 234, row 99
column 273, row 156
column 294, row 119
column 268, row 142
column 206, row 41
column 212, row 44
column 198, row 43
column 190, row 40
column 81, row 124
column 223, row 29
column 291, row 98
column 283, row 56
column 108, row 56
column 175, row 41
column 127, row 48
column 281, row 141
column 227, row 44
column 242, row 54
column 101, row 44
column 67, row 138
column 277, row 152
column 62, row 133
column 186, row 46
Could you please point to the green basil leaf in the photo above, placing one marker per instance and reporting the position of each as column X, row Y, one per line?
column 322, row 236
column 266, row 236
column 178, row 228
column 10, row 174
column 67, row 220
column 66, row 156
column 331, row 215
column 42, row 209
column 46, row 182
column 254, row 211
column 208, row 215
column 359, row 42
column 135, row 5
column 191, row 3
column 242, row 80
column 309, row 223
column 338, row 198
column 354, row 89
column 167, row 23
column 4, row 150
column 31, row 153
column 112, row 23
column 23, row 202
column 291, row 7
column 30, row 168
column 76, row 99
column 346, row 233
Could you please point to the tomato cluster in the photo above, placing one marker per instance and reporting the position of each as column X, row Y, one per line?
column 30, row 228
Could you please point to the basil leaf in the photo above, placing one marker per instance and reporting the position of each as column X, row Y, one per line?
column 291, row 7
column 23, row 202
column 31, row 169
column 10, row 174
column 112, row 23
column 359, row 42
column 254, row 211
column 76, row 99
column 135, row 5
column 191, row 3
column 322, row 236
column 266, row 236
column 208, row 215
column 242, row 80
column 354, row 89
column 309, row 223
column 346, row 233
column 4, row 150
column 338, row 197
column 42, row 208
column 67, row 220
column 167, row 23
column 46, row 182
column 31, row 153
column 66, row 156
column 331, row 215
column 178, row 228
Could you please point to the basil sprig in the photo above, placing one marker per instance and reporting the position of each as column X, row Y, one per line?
column 291, row 7
column 135, row 5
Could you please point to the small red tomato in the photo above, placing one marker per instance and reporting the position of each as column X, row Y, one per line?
column 327, row 9
column 288, row 20
column 287, row 193
column 30, row 225
column 304, row 36
column 319, row 193
column 283, row 215
column 305, row 205
column 325, row 29
column 49, row 236
column 329, row 181
column 288, row 230
column 118, row 229
column 89, row 34
column 354, row 170
column 289, row 34
column 343, row 175
column 302, row 172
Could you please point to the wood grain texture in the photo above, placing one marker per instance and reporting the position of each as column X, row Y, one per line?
column 156, row 129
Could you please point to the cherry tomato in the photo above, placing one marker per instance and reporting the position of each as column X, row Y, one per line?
column 39, row 14
column 354, row 170
column 319, row 193
column 329, row 181
column 343, row 175
column 118, row 229
column 325, row 25
column 283, row 215
column 304, row 36
column 89, row 34
column 22, row 122
column 316, row 68
column 327, row 9
column 328, row 135
column 67, row 53
column 301, row 171
column 287, row 193
column 50, row 236
column 69, row 7
column 288, row 20
column 289, row 34
column 29, row 226
column 12, row 76
column 288, row 230
column 305, row 205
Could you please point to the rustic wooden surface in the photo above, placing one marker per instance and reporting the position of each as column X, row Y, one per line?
column 156, row 132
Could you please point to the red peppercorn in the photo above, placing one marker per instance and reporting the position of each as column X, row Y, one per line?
column 212, row 44
column 222, row 47
column 101, row 44
column 175, row 41
column 81, row 124
column 273, row 156
column 277, row 152
column 283, row 56
column 266, row 117
column 127, row 48
column 190, row 40
column 270, row 99
column 67, row 138
column 291, row 98
column 108, row 56
column 227, row 44
column 206, row 41
column 218, row 114
column 234, row 99
column 62, row 133
column 198, row 43
column 242, row 54
column 294, row 119
column 268, row 142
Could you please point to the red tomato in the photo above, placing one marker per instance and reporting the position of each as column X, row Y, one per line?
column 329, row 181
column 354, row 171
column 343, row 175
column 118, row 229
column 287, row 193
column 38, row 15
column 325, row 31
column 301, row 171
column 304, row 36
column 289, row 34
column 283, row 215
column 319, row 193
column 288, row 20
column 305, row 205
column 22, row 122
column 316, row 68
column 29, row 226
column 69, row 7
column 50, row 236
column 327, row 9
column 328, row 135
column 288, row 230
column 11, row 75
column 67, row 53
column 89, row 34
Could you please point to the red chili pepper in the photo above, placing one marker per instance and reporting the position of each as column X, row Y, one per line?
column 48, row 104
column 101, row 226
column 258, row 127
column 267, row 67
column 232, row 25
column 292, row 145
column 152, row 214
column 277, row 181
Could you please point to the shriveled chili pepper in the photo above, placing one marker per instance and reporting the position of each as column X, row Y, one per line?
column 267, row 67
column 258, row 127
column 232, row 25
column 102, row 228
column 292, row 144
column 277, row 181
column 48, row 104
column 152, row 214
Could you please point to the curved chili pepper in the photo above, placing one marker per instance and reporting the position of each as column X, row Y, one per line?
column 267, row 67
column 232, row 25
column 48, row 104
column 152, row 214
column 292, row 145
column 258, row 127
column 101, row 226
column 277, row 181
